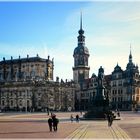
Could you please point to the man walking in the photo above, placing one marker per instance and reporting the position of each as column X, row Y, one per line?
column 110, row 118
column 50, row 123
column 55, row 122
column 77, row 118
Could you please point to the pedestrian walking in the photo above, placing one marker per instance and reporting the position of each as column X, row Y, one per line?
column 55, row 122
column 118, row 113
column 110, row 118
column 50, row 123
column 77, row 118
column 71, row 118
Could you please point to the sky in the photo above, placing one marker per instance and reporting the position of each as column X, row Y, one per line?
column 51, row 28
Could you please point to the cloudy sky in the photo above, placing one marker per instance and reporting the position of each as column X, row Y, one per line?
column 51, row 28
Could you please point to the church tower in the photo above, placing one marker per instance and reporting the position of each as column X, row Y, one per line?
column 132, row 71
column 81, row 55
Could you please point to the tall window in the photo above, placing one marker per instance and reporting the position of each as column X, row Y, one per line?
column 20, row 102
column 39, row 102
column 120, row 83
column 118, row 91
column 114, row 83
column 28, row 103
column 11, row 103
column 3, row 103
column 112, row 91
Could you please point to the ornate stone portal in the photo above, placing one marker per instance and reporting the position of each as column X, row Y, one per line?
column 100, row 103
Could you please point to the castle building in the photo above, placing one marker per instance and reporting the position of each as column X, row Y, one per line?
column 121, row 87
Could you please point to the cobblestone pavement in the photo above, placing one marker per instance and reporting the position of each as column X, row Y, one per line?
column 27, row 125
column 35, row 126
column 34, row 130
column 98, row 130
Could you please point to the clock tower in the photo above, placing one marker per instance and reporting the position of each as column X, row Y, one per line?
column 81, row 55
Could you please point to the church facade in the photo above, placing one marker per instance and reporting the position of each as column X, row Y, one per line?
column 26, row 69
column 26, row 84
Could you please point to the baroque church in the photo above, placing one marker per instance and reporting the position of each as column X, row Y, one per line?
column 27, row 84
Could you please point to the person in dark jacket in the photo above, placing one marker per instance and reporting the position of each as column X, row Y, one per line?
column 77, row 118
column 71, row 118
column 55, row 123
column 110, row 118
column 50, row 123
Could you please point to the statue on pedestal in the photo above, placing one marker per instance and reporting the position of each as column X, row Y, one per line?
column 100, row 103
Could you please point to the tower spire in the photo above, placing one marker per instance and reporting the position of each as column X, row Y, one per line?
column 81, row 37
column 81, row 22
column 130, row 48
column 81, row 31
column 130, row 55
